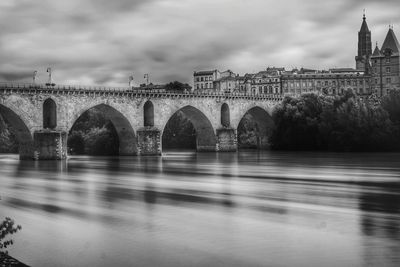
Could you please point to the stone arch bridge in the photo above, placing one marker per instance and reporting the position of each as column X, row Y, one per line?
column 43, row 115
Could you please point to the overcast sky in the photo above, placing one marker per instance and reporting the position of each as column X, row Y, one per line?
column 104, row 41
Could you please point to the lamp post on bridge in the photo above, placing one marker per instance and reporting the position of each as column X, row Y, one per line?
column 34, row 77
column 50, row 83
column 131, row 81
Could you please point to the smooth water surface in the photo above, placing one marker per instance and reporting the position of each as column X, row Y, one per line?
column 209, row 209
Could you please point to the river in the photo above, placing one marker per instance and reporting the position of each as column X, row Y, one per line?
column 205, row 209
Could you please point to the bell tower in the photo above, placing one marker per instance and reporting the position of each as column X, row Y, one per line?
column 364, row 47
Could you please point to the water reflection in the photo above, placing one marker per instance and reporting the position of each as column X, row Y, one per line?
column 252, row 208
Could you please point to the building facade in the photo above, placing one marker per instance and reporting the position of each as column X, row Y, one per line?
column 329, row 83
column 386, row 65
column 205, row 79
column 265, row 82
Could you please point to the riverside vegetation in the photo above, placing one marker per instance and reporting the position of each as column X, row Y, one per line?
column 307, row 122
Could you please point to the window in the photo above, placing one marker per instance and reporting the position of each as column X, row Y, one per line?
column 304, row 84
column 388, row 60
column 326, row 83
column 376, row 81
column 355, row 83
column 334, row 83
column 387, row 69
column 348, row 82
column 197, row 79
column 202, row 78
column 361, row 82
column 197, row 86
column 210, row 85
column 388, row 80
column 343, row 83
column 206, row 85
column 206, row 79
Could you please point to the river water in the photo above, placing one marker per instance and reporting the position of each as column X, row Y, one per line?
column 205, row 209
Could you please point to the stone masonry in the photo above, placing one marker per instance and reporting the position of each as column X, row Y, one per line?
column 23, row 106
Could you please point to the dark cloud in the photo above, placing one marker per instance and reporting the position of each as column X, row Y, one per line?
column 12, row 76
column 103, row 42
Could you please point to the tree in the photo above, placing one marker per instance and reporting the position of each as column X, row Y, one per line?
column 177, row 86
column 8, row 140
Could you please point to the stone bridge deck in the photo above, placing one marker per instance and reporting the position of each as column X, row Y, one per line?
column 43, row 115
column 26, row 88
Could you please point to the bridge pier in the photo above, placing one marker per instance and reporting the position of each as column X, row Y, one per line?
column 50, row 145
column 226, row 140
column 148, row 141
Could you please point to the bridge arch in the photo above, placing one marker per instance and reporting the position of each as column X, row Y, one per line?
column 148, row 114
column 126, row 134
column 205, row 134
column 262, row 123
column 22, row 132
column 225, row 115
column 49, row 114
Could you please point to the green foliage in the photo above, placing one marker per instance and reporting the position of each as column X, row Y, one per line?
column 341, row 123
column 7, row 227
column 179, row 133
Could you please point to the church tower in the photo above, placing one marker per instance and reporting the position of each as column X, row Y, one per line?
column 364, row 47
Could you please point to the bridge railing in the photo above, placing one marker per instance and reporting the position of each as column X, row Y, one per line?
column 134, row 90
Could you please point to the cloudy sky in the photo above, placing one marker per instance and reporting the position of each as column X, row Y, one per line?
column 103, row 42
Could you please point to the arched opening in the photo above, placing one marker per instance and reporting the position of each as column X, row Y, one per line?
column 148, row 112
column 102, row 130
column 179, row 133
column 15, row 136
column 225, row 115
column 49, row 114
column 191, row 127
column 254, row 129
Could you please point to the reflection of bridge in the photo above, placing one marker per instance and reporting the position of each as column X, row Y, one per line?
column 43, row 115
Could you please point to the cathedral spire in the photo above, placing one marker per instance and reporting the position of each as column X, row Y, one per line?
column 364, row 45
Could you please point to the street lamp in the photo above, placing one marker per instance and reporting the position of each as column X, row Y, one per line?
column 34, row 76
column 131, row 80
column 50, row 83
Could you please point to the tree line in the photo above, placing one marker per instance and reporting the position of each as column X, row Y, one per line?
column 337, row 123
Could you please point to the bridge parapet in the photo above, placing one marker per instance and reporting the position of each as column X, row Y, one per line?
column 26, row 88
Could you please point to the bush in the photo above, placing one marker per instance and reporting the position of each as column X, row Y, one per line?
column 7, row 228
